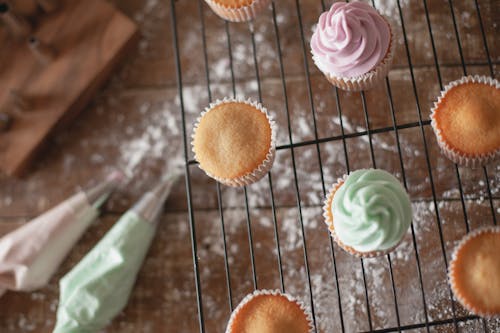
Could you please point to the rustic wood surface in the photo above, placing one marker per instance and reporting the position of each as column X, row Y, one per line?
column 83, row 52
column 134, row 124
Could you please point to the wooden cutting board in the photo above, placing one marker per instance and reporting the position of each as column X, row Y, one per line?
column 89, row 37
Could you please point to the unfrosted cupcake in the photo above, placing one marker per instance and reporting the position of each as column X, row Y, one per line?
column 266, row 311
column 368, row 212
column 466, row 120
column 353, row 46
column 474, row 272
column 234, row 141
column 237, row 10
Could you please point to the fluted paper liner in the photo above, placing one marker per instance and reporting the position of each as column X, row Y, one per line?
column 328, row 218
column 450, row 152
column 240, row 14
column 367, row 80
column 251, row 296
column 264, row 167
column 451, row 273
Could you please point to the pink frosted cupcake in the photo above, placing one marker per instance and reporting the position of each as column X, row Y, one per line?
column 353, row 46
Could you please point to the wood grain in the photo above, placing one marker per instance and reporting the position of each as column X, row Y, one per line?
column 89, row 37
column 25, row 7
column 139, row 112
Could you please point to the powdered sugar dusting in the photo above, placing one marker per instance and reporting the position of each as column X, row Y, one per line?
column 153, row 141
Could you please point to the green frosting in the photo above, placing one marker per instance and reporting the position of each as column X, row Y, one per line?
column 371, row 211
column 99, row 286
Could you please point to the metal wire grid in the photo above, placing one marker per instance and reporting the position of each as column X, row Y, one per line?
column 427, row 324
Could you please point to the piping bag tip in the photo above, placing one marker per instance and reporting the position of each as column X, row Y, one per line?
column 163, row 189
column 98, row 194
column 170, row 178
column 151, row 204
column 116, row 176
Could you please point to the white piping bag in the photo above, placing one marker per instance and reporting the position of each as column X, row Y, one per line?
column 31, row 254
column 98, row 287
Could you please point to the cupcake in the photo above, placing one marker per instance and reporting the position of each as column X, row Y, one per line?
column 237, row 10
column 466, row 120
column 474, row 272
column 234, row 141
column 368, row 212
column 266, row 311
column 353, row 46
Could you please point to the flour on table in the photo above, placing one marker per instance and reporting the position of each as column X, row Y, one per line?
column 156, row 134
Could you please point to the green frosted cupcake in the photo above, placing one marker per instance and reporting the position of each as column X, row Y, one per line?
column 368, row 212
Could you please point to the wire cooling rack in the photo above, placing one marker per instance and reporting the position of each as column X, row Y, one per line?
column 427, row 324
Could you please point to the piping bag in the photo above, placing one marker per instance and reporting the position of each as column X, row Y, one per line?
column 31, row 254
column 98, row 287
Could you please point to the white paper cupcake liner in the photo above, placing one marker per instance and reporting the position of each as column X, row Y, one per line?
column 264, row 167
column 471, row 161
column 249, row 297
column 365, row 81
column 328, row 219
column 241, row 14
column 453, row 266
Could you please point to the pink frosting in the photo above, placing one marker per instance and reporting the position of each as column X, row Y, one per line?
column 350, row 40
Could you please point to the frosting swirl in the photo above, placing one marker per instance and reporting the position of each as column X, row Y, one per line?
column 371, row 210
column 350, row 40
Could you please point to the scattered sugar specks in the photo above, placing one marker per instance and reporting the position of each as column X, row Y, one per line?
column 53, row 305
column 149, row 139
column 25, row 325
column 97, row 158
column 7, row 201
column 37, row 296
column 156, row 132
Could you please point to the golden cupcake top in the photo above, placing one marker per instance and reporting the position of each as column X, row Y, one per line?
column 475, row 272
column 234, row 3
column 270, row 313
column 468, row 118
column 232, row 139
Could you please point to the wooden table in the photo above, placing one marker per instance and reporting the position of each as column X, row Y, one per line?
column 134, row 124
